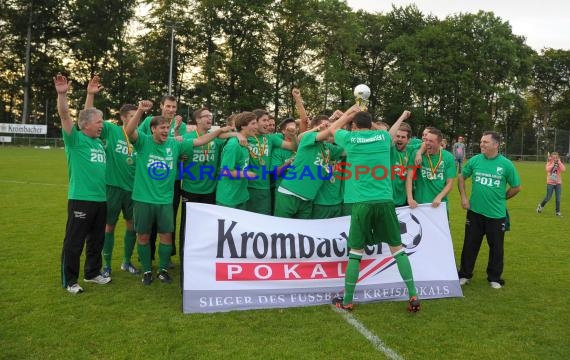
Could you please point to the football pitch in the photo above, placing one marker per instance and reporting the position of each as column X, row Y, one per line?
column 528, row 319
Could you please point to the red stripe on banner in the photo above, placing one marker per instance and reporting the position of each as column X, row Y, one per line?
column 386, row 261
column 264, row 271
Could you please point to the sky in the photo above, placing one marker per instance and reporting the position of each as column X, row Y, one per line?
column 544, row 24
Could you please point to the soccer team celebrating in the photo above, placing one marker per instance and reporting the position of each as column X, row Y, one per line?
column 296, row 172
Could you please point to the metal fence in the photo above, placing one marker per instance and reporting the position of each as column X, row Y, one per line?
column 31, row 140
column 524, row 145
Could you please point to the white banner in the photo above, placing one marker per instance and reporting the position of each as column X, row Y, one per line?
column 23, row 129
column 239, row 260
column 5, row 139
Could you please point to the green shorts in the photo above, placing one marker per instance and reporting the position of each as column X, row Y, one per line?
column 346, row 209
column 241, row 206
column 118, row 200
column 259, row 201
column 372, row 223
column 293, row 207
column 326, row 211
column 146, row 214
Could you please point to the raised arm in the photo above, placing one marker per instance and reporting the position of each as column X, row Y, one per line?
column 301, row 110
column 206, row 138
column 62, row 86
column 93, row 88
column 394, row 129
column 291, row 144
column 131, row 128
column 344, row 119
column 177, row 124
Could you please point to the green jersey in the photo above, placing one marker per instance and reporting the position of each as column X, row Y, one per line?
column 232, row 191
column 156, row 168
column 369, row 149
column 490, row 179
column 260, row 150
column 310, row 166
column 203, row 165
column 86, row 162
column 432, row 175
column 415, row 143
column 278, row 157
column 120, row 157
column 399, row 163
column 330, row 192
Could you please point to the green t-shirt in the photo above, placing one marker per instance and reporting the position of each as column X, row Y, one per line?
column 156, row 168
column 120, row 157
column 369, row 148
column 429, row 183
column 309, row 167
column 144, row 128
column 232, row 191
column 490, row 179
column 415, row 143
column 206, row 159
column 399, row 163
column 86, row 162
column 260, row 149
column 278, row 157
column 330, row 192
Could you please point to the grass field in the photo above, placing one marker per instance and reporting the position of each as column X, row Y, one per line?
column 528, row 319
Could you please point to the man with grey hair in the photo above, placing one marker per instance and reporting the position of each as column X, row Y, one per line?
column 87, row 207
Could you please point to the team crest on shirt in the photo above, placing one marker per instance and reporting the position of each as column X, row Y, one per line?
column 499, row 170
column 168, row 152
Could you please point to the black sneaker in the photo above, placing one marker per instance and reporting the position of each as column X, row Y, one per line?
column 147, row 278
column 164, row 276
column 414, row 304
column 338, row 301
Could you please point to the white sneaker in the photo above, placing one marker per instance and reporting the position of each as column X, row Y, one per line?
column 539, row 209
column 74, row 289
column 463, row 281
column 495, row 285
column 99, row 279
column 559, row 214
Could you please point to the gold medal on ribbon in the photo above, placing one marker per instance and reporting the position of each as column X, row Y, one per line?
column 325, row 157
column 432, row 168
column 129, row 158
column 261, row 150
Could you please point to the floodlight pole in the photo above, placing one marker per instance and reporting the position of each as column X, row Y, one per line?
column 27, row 70
column 171, row 60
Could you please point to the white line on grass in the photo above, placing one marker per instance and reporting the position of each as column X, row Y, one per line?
column 29, row 183
column 369, row 335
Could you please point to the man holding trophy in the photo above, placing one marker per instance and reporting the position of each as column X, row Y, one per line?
column 374, row 218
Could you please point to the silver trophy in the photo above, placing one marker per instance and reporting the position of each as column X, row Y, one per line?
column 362, row 93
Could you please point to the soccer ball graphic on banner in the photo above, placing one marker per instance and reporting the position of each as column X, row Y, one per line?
column 411, row 230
